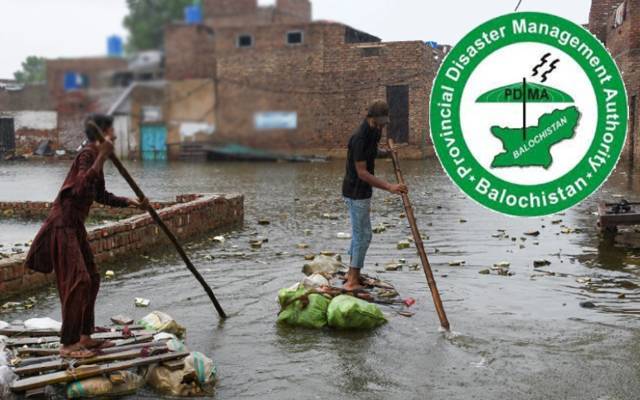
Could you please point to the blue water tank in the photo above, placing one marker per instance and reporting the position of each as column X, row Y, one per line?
column 114, row 46
column 193, row 14
column 432, row 44
column 70, row 81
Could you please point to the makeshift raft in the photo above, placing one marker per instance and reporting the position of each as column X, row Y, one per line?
column 319, row 300
column 152, row 347
column 611, row 215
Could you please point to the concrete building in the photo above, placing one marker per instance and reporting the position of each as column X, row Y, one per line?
column 282, row 81
column 617, row 24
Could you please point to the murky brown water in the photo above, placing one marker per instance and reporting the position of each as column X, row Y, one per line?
column 518, row 337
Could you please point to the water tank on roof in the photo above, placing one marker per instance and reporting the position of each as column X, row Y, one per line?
column 193, row 14
column 114, row 46
column 432, row 44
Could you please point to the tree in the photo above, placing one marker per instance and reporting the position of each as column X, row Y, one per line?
column 33, row 70
column 147, row 19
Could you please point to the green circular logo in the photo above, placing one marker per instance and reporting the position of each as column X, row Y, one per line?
column 528, row 114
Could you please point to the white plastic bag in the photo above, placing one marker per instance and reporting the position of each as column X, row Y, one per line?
column 44, row 324
column 162, row 322
column 314, row 281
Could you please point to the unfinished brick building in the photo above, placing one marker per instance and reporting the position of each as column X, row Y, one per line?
column 283, row 81
column 617, row 24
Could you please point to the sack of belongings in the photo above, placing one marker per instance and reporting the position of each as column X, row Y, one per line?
column 322, row 264
column 348, row 312
column 196, row 378
column 301, row 308
column 162, row 322
column 117, row 384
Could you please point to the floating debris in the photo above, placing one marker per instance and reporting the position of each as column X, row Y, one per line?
column 414, row 267
column 255, row 244
column 502, row 264
column 122, row 320
column 541, row 263
column 379, row 228
column 587, row 304
column 402, row 215
column 463, row 221
column 302, row 246
column 504, row 272
column 264, row 222
column 140, row 302
column 484, row 271
column 457, row 263
column 329, row 254
column 392, row 266
column 219, row 239
column 343, row 235
column 532, row 233
column 309, row 257
column 403, row 244
column 109, row 274
column 556, row 221
column 330, row 216
column 307, row 231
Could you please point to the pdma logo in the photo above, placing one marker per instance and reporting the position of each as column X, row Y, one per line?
column 528, row 114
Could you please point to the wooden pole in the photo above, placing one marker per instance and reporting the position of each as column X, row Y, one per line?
column 154, row 215
column 418, row 240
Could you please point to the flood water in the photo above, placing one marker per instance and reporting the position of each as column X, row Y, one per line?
column 516, row 337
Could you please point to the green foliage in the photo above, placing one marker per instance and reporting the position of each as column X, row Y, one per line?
column 33, row 70
column 147, row 19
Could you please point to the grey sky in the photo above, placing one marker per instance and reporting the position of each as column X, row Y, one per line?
column 70, row 28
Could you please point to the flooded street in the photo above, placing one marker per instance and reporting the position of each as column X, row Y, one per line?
column 515, row 337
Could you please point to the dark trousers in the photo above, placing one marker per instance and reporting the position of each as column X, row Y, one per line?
column 78, row 282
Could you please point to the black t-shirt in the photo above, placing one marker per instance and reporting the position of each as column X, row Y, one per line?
column 363, row 146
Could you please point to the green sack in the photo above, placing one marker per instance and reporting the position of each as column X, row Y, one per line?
column 299, row 308
column 348, row 312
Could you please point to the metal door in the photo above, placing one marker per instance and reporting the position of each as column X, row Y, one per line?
column 154, row 142
column 398, row 100
column 7, row 135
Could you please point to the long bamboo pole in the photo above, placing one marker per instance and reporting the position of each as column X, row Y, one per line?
column 418, row 239
column 154, row 215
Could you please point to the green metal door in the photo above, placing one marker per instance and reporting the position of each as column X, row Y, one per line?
column 154, row 142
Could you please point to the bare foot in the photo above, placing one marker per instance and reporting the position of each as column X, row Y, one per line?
column 352, row 286
column 76, row 351
column 89, row 343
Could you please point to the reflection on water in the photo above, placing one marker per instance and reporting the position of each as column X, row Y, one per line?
column 524, row 336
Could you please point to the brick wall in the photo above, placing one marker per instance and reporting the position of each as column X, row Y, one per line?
column 40, row 210
column 189, row 52
column 193, row 215
column 246, row 13
column 623, row 43
column 327, row 82
column 599, row 15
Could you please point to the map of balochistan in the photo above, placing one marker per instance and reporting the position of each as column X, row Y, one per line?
column 535, row 149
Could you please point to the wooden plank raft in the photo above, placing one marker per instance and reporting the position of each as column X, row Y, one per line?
column 36, row 351
column 89, row 371
column 64, row 363
column 17, row 331
column 26, row 341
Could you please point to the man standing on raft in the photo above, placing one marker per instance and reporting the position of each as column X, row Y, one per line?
column 357, row 186
column 61, row 245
